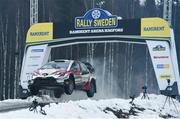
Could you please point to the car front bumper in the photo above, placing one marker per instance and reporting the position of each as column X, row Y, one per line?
column 46, row 83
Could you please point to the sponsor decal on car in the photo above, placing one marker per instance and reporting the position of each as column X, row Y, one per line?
column 165, row 76
column 45, row 74
column 161, row 57
column 163, row 66
column 159, row 48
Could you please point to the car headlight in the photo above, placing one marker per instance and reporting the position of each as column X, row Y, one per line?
column 66, row 76
column 60, row 74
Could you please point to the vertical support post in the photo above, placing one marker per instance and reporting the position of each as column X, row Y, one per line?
column 33, row 11
column 167, row 12
column 174, row 58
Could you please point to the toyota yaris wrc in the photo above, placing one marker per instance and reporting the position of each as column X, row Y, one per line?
column 64, row 76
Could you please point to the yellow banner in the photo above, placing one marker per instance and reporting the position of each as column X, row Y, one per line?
column 40, row 32
column 154, row 27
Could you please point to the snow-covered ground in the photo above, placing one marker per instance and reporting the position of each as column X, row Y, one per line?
column 103, row 109
column 13, row 104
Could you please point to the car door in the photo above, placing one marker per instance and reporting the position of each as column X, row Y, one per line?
column 75, row 69
column 84, row 73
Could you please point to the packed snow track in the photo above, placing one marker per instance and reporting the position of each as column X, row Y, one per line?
column 13, row 104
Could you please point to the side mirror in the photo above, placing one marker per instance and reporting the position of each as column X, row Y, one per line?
column 92, row 70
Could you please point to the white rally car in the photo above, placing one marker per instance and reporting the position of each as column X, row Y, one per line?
column 64, row 76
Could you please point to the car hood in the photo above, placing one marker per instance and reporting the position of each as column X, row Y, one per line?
column 50, row 71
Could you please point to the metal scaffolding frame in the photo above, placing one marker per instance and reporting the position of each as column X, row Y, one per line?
column 33, row 11
column 167, row 12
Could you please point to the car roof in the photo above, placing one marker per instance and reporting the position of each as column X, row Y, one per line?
column 62, row 60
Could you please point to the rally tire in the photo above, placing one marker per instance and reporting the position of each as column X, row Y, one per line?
column 92, row 90
column 69, row 86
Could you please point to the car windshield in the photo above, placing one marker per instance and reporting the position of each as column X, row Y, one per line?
column 56, row 65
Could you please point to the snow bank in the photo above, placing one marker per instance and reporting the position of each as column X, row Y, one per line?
column 102, row 109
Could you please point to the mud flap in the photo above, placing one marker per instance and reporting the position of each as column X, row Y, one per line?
column 86, row 86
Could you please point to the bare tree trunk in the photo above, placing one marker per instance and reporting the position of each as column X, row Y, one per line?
column 16, row 54
column 1, row 58
column 5, row 60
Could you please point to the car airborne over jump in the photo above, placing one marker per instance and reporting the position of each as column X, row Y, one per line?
column 63, row 75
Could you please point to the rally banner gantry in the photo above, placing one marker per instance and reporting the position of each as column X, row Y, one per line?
column 98, row 25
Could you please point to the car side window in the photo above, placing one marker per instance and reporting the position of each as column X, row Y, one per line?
column 84, row 68
column 75, row 67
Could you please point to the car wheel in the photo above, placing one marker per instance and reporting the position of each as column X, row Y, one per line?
column 91, row 91
column 34, row 90
column 57, row 93
column 69, row 86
